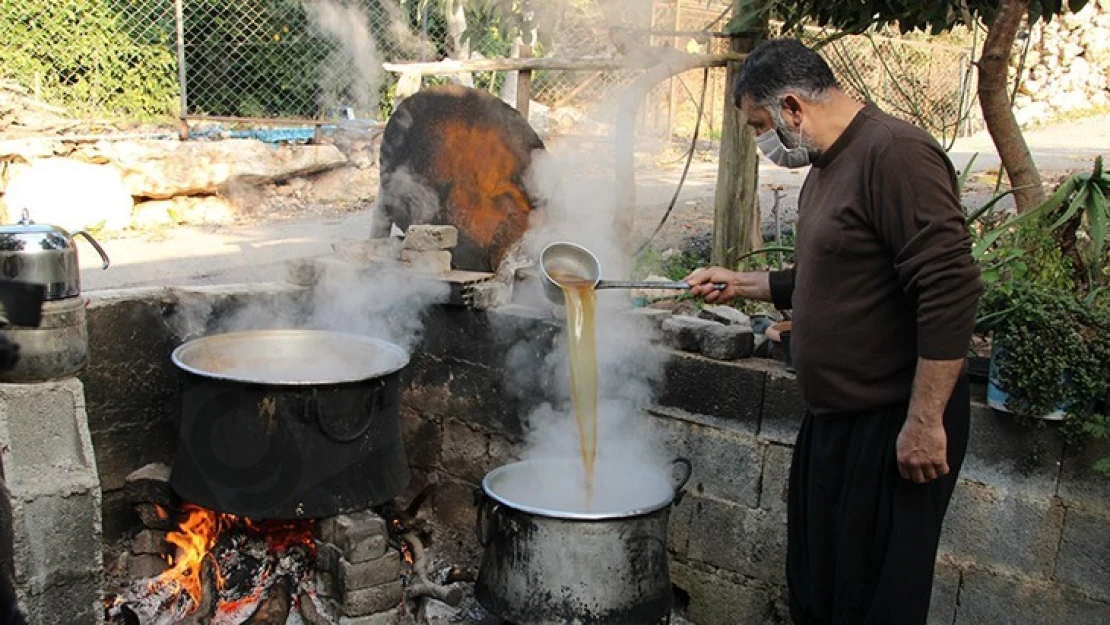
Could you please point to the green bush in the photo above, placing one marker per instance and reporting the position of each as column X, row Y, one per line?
column 81, row 55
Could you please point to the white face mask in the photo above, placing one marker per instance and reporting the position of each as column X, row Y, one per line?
column 776, row 151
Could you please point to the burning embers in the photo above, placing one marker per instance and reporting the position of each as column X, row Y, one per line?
column 226, row 571
column 190, row 565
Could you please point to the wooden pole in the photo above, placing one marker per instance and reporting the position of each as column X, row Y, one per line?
column 672, row 102
column 642, row 62
column 736, row 223
column 524, row 84
column 179, row 19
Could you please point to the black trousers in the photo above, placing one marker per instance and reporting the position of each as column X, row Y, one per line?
column 862, row 541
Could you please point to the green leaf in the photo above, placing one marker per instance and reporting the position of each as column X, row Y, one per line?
column 1097, row 209
column 1079, row 201
column 966, row 173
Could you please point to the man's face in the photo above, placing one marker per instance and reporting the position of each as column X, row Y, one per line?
column 761, row 120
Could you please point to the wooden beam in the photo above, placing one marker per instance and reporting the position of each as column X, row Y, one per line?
column 524, row 84
column 451, row 66
column 737, row 220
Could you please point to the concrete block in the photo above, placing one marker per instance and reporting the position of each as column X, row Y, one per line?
column 996, row 529
column 679, row 524
column 151, row 484
column 727, row 465
column 1000, row 453
column 946, row 592
column 47, row 431
column 151, row 542
column 155, row 518
column 783, row 407
column 730, row 391
column 56, row 535
column 70, row 600
column 391, row 617
column 685, row 333
column 740, row 539
column 424, row 237
column 465, row 451
column 775, row 481
column 423, row 439
column 382, row 571
column 990, row 597
column 360, row 536
column 486, row 295
column 427, row 262
column 731, row 342
column 649, row 320
column 369, row 601
column 719, row 599
column 726, row 315
column 1080, row 485
column 1084, row 558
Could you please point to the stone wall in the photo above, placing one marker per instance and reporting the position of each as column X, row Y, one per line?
column 1067, row 69
column 1020, row 545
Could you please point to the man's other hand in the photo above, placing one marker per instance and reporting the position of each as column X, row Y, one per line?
column 749, row 285
column 922, row 450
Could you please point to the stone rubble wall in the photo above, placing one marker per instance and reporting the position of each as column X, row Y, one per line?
column 119, row 184
column 1067, row 69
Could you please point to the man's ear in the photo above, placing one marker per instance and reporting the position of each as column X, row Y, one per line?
column 792, row 104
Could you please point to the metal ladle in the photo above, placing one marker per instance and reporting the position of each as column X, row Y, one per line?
column 575, row 260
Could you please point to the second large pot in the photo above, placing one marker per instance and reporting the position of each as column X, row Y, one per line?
column 547, row 559
column 288, row 424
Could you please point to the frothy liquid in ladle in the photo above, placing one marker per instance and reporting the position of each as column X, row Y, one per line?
column 579, row 295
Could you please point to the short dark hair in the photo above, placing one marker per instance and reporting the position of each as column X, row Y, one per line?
column 780, row 65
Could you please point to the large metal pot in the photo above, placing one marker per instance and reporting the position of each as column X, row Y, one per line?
column 549, row 559
column 290, row 424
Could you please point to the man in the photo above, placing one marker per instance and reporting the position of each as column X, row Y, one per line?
column 884, row 295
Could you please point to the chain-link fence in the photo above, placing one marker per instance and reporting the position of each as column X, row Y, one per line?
column 321, row 59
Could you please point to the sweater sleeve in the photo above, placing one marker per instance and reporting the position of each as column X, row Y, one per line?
column 917, row 214
column 782, row 288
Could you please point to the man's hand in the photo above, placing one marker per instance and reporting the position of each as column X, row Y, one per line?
column 749, row 285
column 922, row 449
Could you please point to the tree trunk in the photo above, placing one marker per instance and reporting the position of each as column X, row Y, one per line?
column 998, row 111
column 737, row 218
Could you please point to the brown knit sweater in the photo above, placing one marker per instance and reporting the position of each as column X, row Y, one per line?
column 884, row 272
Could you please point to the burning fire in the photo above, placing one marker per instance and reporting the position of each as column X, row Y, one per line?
column 197, row 536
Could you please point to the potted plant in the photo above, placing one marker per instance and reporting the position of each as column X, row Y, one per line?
column 1047, row 304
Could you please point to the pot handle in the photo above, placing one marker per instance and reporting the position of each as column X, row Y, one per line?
column 687, row 469
column 485, row 518
column 373, row 405
column 96, row 246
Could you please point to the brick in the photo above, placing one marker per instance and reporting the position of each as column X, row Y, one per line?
column 465, row 451
column 990, row 597
column 1001, row 452
column 427, row 262
column 783, row 407
column 740, row 539
column 726, row 315
column 392, row 617
column 719, row 599
column 1084, row 558
column 367, row 601
column 145, row 566
column 150, row 484
column 378, row 572
column 685, row 333
column 427, row 237
column 151, row 542
column 727, row 342
column 727, row 465
column 360, row 536
column 998, row 530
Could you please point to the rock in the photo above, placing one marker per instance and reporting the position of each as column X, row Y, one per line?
column 164, row 169
column 438, row 262
column 68, row 193
column 192, row 210
column 363, row 253
column 726, row 315
column 29, row 149
column 150, row 484
column 343, row 185
column 431, row 238
column 727, row 342
column 685, row 333
column 151, row 542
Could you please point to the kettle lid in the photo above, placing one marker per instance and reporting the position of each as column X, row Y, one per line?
column 16, row 236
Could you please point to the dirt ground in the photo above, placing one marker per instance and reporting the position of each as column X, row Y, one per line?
column 256, row 249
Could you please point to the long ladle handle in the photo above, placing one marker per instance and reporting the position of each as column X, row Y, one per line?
column 617, row 284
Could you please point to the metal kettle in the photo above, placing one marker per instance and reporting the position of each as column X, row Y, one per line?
column 43, row 254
